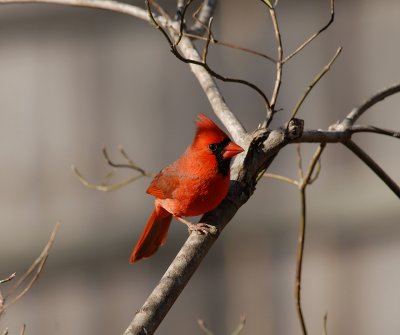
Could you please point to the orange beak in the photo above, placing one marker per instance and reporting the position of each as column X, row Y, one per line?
column 232, row 149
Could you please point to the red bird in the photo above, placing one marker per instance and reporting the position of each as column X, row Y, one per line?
column 194, row 184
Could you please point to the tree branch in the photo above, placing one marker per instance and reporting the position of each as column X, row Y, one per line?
column 34, row 270
column 175, row 50
column 314, row 82
column 315, row 35
column 376, row 130
column 353, row 116
column 373, row 166
column 110, row 5
column 306, row 180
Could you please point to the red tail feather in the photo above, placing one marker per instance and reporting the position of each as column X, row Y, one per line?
column 154, row 234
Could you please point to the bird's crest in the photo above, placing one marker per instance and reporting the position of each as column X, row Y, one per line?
column 206, row 125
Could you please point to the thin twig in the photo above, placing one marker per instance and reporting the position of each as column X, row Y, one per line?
column 5, row 331
column 209, row 38
column 23, row 328
column 279, row 62
column 315, row 35
column 281, row 178
column 204, row 327
column 36, row 269
column 373, row 166
column 130, row 165
column 299, row 162
column 241, row 325
column 314, row 82
column 205, row 65
column 301, row 240
column 106, row 188
column 372, row 129
column 358, row 111
column 232, row 46
column 325, row 327
column 316, row 173
column 110, row 5
column 10, row 277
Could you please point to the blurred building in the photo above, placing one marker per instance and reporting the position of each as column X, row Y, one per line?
column 73, row 80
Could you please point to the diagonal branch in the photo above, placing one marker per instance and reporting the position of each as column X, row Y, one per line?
column 373, row 166
column 315, row 35
column 314, row 82
column 360, row 110
column 34, row 272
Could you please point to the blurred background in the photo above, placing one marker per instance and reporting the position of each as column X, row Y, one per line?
column 73, row 80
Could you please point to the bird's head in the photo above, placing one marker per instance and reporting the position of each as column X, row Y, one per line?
column 211, row 141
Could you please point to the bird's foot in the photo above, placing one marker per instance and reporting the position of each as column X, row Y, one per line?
column 200, row 228
column 203, row 228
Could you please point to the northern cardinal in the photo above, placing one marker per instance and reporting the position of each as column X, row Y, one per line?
column 194, row 184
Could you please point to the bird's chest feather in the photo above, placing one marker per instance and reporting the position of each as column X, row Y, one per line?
column 197, row 194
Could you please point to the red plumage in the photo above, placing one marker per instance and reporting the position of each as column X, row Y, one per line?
column 194, row 184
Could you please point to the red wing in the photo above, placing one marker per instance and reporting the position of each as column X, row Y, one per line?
column 163, row 185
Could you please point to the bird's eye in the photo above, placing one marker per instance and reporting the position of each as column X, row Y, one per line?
column 213, row 147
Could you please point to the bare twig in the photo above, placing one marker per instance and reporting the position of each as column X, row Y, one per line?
column 314, row 82
column 315, row 35
column 373, row 166
column 299, row 162
column 278, row 80
column 209, row 37
column 10, row 277
column 301, row 240
column 23, row 328
column 281, row 178
column 34, row 270
column 5, row 331
column 130, row 165
column 110, row 5
column 279, row 62
column 325, row 327
column 184, row 59
column 105, row 187
column 241, row 325
column 372, row 129
column 237, row 330
column 204, row 327
column 358, row 111
column 233, row 46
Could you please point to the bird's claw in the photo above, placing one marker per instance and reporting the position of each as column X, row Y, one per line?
column 203, row 228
